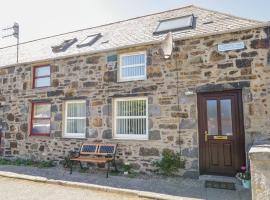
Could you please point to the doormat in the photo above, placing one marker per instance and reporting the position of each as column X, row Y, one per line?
column 220, row 185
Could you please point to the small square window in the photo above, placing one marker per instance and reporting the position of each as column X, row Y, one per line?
column 75, row 119
column 42, row 76
column 131, row 118
column 132, row 66
column 41, row 119
column 175, row 24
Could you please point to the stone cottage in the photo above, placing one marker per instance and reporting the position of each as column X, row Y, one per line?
column 209, row 100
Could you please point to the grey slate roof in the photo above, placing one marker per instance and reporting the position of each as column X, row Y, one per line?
column 125, row 33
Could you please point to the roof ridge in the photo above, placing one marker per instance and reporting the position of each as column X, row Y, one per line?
column 107, row 24
column 224, row 13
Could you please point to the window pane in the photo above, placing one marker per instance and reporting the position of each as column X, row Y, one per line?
column 133, row 59
column 226, row 117
column 43, row 82
column 131, row 126
column 212, row 117
column 176, row 23
column 42, row 110
column 133, row 71
column 76, row 109
column 133, row 66
column 131, row 108
column 76, row 117
column 131, row 117
column 41, row 126
column 76, row 126
column 43, row 71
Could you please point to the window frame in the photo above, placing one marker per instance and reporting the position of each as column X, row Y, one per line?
column 134, row 78
column 64, row 45
column 73, row 135
column 44, row 118
column 95, row 38
column 157, row 32
column 38, row 77
column 130, row 136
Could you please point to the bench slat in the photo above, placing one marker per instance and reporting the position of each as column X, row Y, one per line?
column 96, row 160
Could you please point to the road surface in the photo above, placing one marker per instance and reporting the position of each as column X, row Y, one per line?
column 15, row 189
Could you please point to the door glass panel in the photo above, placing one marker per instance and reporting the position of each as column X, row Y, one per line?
column 226, row 116
column 212, row 117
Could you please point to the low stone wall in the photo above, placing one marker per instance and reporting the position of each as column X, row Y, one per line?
column 260, row 174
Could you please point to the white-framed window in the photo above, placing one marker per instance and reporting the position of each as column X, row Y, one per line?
column 131, row 118
column 75, row 119
column 132, row 66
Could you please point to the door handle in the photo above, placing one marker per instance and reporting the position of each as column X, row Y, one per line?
column 205, row 136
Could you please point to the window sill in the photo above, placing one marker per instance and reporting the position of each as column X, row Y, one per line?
column 74, row 137
column 132, row 139
column 43, row 89
column 40, row 135
column 131, row 79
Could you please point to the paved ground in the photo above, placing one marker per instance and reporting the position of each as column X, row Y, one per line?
column 182, row 187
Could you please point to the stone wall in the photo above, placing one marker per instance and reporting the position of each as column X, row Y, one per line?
column 172, row 114
column 259, row 156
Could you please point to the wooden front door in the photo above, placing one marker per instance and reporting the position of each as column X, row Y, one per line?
column 221, row 133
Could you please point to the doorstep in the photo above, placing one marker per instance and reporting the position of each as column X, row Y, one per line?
column 218, row 178
column 221, row 179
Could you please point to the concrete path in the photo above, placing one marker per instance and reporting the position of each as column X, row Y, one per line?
column 184, row 188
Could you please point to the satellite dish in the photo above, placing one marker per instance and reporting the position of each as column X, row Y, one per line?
column 167, row 46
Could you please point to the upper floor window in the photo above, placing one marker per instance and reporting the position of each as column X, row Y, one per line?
column 75, row 119
column 132, row 66
column 41, row 119
column 42, row 76
column 131, row 118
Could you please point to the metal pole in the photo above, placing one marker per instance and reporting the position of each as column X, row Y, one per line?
column 15, row 34
column 18, row 49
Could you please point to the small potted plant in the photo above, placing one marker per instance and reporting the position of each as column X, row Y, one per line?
column 126, row 168
column 244, row 176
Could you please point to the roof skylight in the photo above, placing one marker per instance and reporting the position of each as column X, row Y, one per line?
column 64, row 45
column 89, row 40
column 175, row 24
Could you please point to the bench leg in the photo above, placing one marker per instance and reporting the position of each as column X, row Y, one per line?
column 71, row 163
column 115, row 167
column 108, row 169
column 81, row 164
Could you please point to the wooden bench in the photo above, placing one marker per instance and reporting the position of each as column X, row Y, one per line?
column 96, row 153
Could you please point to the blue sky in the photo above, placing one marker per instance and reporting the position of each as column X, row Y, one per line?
column 40, row 18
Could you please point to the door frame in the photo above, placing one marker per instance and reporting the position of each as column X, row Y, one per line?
column 239, row 119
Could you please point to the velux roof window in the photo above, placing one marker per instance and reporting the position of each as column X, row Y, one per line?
column 64, row 45
column 175, row 24
column 89, row 40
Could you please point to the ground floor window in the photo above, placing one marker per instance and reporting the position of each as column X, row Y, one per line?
column 41, row 119
column 75, row 119
column 131, row 118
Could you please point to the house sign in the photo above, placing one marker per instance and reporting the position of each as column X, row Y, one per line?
column 231, row 46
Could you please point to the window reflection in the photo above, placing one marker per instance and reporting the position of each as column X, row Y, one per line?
column 226, row 117
column 212, row 117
